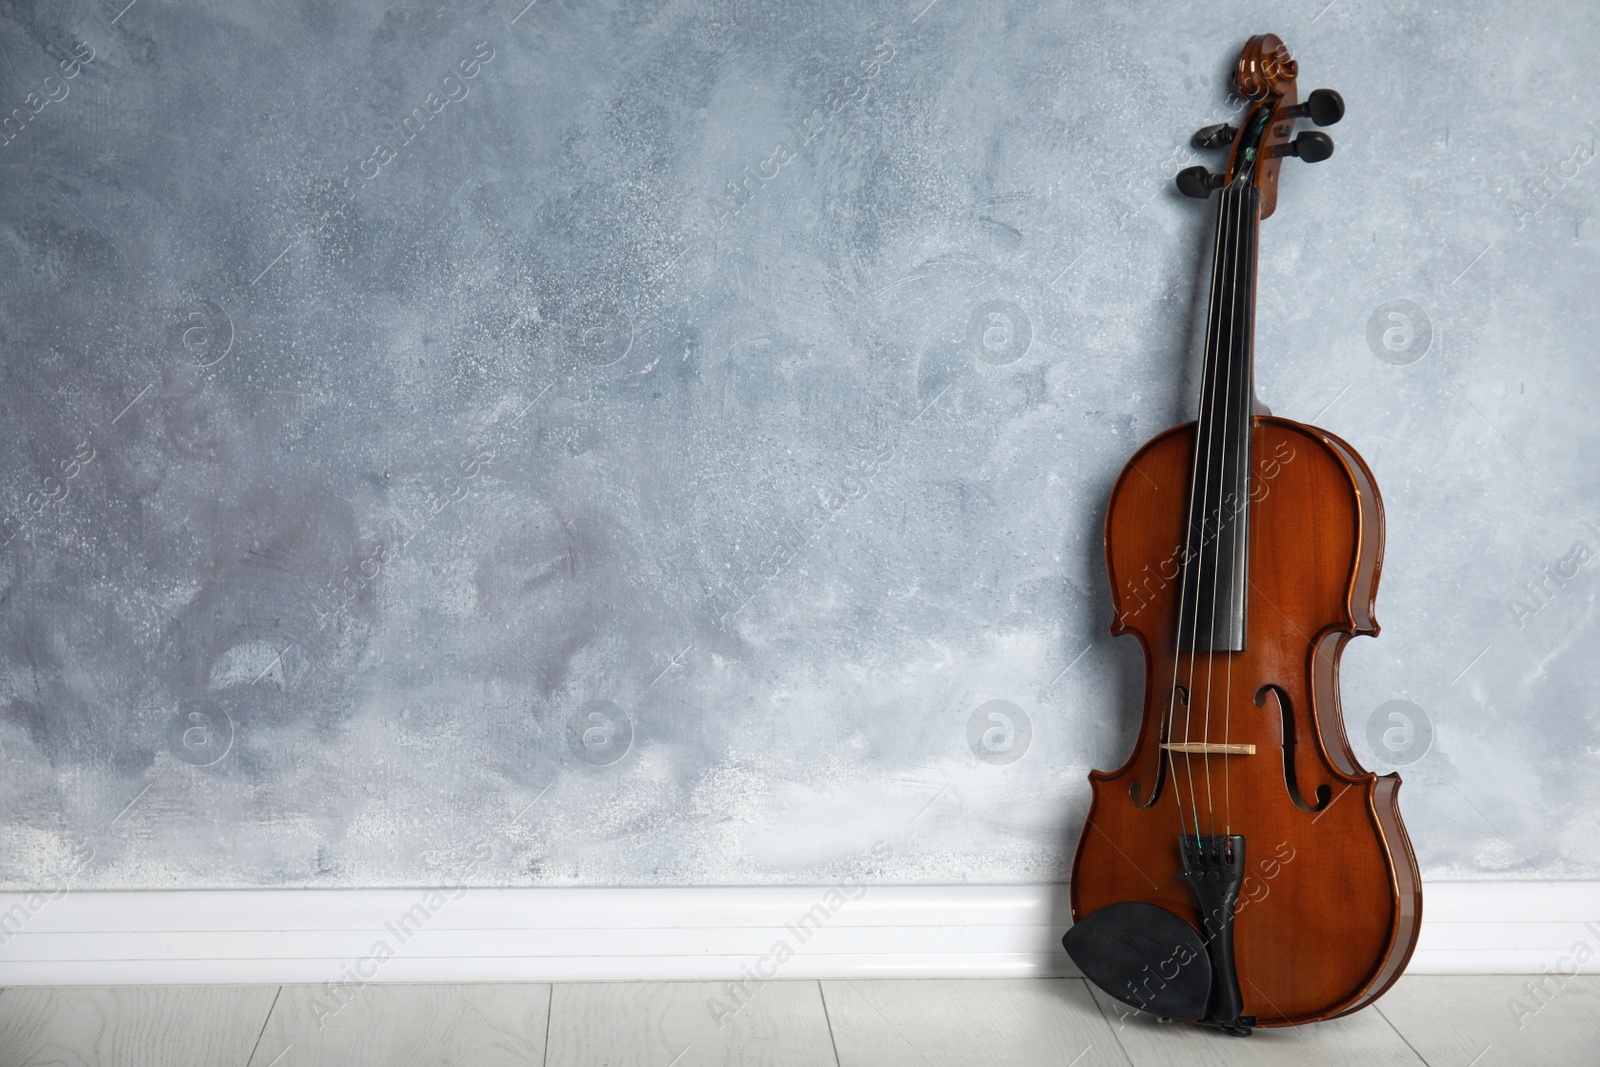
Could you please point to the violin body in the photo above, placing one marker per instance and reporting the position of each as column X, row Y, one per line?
column 1330, row 905
column 1242, row 869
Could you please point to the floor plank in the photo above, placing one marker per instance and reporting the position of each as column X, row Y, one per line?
column 1364, row 1039
column 1477, row 1021
column 684, row 1024
column 1506, row 1020
column 936, row 1022
column 131, row 1026
column 501, row 1025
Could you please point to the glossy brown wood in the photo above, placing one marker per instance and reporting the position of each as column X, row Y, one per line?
column 1266, row 69
column 1331, row 909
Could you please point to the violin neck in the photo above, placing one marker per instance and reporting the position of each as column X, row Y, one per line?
column 1230, row 375
column 1215, row 578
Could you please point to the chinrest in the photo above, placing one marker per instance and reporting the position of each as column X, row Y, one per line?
column 1145, row 956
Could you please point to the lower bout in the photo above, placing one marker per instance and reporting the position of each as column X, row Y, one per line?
column 1320, row 929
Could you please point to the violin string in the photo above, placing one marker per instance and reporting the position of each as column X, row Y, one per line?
column 1220, row 439
column 1245, row 402
column 1202, row 483
column 1183, row 583
column 1238, row 327
column 1216, row 457
column 1225, row 351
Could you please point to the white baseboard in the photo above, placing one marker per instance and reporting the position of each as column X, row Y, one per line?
column 494, row 935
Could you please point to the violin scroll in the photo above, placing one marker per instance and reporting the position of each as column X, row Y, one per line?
column 1266, row 68
column 1265, row 79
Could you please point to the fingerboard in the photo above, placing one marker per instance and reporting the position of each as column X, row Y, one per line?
column 1217, row 552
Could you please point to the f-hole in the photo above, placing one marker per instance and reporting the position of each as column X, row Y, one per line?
column 1286, row 714
column 1179, row 693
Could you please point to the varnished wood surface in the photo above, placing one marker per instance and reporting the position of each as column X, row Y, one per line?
column 1325, row 930
column 1265, row 66
column 1426, row 1020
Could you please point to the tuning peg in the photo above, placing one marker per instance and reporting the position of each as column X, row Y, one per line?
column 1219, row 136
column 1198, row 182
column 1323, row 107
column 1311, row 146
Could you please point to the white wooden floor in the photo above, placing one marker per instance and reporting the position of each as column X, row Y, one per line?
column 1438, row 1021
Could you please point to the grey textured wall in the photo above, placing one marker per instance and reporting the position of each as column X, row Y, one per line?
column 628, row 443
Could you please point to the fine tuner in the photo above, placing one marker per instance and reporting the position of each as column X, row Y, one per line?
column 1324, row 107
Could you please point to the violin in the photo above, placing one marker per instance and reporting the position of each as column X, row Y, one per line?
column 1242, row 869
